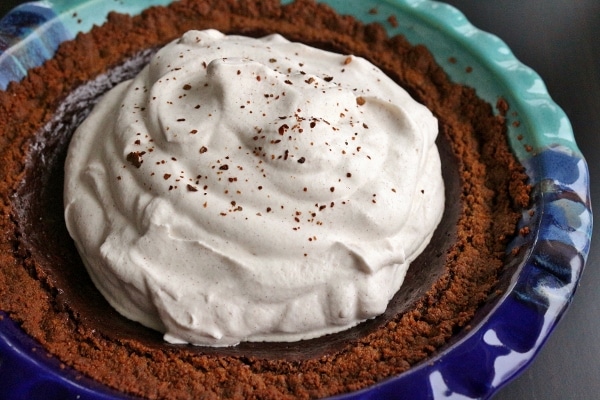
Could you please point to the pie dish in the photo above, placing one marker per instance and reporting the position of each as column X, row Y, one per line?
column 539, row 287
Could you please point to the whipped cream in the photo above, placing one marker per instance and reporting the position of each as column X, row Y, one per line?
column 244, row 189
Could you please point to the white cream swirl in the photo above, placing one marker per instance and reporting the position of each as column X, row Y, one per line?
column 245, row 189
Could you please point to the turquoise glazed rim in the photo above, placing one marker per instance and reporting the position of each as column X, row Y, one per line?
column 507, row 334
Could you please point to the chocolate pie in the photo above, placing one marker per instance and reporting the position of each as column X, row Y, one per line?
column 45, row 287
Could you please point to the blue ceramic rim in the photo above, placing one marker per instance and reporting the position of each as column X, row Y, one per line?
column 499, row 346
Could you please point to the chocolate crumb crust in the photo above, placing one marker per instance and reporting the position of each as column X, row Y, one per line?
column 44, row 286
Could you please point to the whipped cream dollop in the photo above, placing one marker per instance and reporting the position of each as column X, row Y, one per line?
column 243, row 189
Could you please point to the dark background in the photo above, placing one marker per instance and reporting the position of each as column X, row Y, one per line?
column 560, row 40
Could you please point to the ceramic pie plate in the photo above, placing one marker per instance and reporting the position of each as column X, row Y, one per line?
column 507, row 333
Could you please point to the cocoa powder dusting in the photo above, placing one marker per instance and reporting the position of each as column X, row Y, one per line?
column 493, row 191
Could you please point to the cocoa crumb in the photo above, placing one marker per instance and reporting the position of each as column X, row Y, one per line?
column 135, row 158
column 283, row 129
column 524, row 231
column 502, row 106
